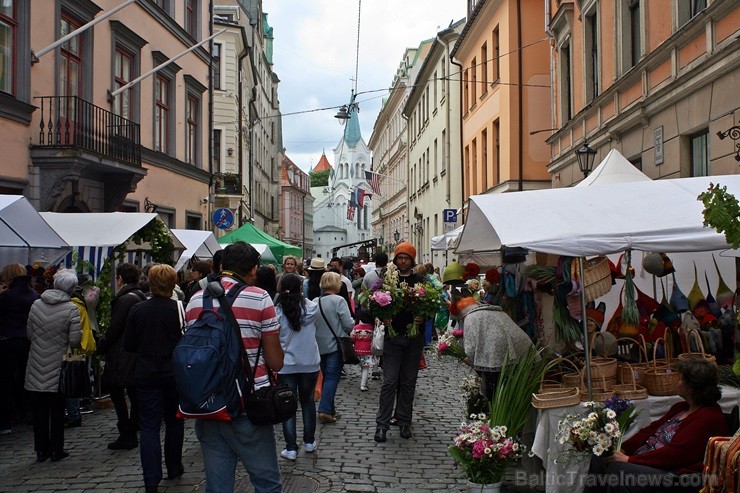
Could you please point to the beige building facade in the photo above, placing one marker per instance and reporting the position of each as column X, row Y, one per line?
column 72, row 146
column 432, row 111
column 656, row 80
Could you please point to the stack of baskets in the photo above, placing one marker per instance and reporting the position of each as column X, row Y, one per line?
column 597, row 277
column 555, row 394
column 632, row 372
column 659, row 378
column 700, row 354
column 631, row 390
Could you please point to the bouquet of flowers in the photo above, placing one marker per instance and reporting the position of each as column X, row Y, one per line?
column 384, row 299
column 484, row 451
column 475, row 401
column 600, row 431
column 424, row 300
column 448, row 344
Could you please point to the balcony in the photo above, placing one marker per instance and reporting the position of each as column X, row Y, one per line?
column 68, row 121
column 228, row 184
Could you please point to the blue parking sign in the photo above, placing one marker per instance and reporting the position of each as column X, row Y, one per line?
column 449, row 215
column 223, row 218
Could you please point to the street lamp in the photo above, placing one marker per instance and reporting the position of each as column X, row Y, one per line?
column 585, row 156
column 734, row 134
column 396, row 236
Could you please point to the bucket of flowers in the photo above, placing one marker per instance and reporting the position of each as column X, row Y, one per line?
column 598, row 431
column 484, row 452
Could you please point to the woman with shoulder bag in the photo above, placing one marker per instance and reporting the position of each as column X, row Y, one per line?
column 334, row 319
column 302, row 360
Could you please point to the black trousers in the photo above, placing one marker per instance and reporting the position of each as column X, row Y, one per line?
column 13, row 359
column 48, row 421
column 400, row 369
column 117, row 396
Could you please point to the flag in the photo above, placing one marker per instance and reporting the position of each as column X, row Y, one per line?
column 350, row 212
column 374, row 180
column 359, row 197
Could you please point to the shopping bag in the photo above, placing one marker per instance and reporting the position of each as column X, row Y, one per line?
column 74, row 377
column 378, row 338
column 318, row 386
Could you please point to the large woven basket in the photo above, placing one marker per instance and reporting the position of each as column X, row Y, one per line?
column 556, row 398
column 660, row 379
column 631, row 390
column 700, row 354
column 602, row 366
column 629, row 371
column 597, row 277
column 600, row 391
column 554, row 376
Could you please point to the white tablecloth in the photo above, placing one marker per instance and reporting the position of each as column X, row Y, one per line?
column 563, row 477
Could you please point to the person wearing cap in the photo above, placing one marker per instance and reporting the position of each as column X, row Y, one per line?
column 594, row 322
column 489, row 335
column 401, row 355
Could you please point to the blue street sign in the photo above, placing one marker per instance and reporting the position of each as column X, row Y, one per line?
column 223, row 218
column 449, row 215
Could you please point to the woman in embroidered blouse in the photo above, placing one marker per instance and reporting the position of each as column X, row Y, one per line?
column 674, row 444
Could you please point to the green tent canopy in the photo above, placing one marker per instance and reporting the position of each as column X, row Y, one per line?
column 253, row 235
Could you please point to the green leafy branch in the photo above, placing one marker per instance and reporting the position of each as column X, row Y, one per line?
column 722, row 212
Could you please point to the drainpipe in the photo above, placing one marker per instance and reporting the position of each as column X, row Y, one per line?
column 210, row 103
column 460, row 138
column 253, row 98
column 521, row 105
column 446, row 144
column 240, row 133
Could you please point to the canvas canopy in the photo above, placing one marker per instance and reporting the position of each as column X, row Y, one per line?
column 658, row 216
column 254, row 236
column 200, row 244
column 94, row 235
column 25, row 237
column 615, row 168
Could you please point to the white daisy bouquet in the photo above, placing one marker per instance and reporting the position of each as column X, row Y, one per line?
column 597, row 433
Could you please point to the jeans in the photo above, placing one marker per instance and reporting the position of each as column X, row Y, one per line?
column 400, row 368
column 157, row 401
column 13, row 359
column 302, row 385
column 331, row 367
column 48, row 421
column 73, row 409
column 222, row 443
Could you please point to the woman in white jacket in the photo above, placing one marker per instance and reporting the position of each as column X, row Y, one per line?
column 53, row 327
column 301, row 363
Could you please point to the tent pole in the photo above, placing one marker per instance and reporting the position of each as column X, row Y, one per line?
column 584, row 324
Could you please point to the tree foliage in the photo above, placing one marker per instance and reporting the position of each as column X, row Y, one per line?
column 722, row 212
column 320, row 178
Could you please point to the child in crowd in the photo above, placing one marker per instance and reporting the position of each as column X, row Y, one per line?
column 362, row 335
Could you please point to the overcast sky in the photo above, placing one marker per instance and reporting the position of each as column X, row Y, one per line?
column 315, row 49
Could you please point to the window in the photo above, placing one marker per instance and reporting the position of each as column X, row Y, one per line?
column 467, row 167
column 497, row 150
column 688, row 9
column 637, row 162
column 8, row 28
column 444, row 76
column 193, row 221
column 699, row 154
column 566, row 106
column 474, row 166
column 495, row 49
column 444, row 154
column 436, row 158
column 192, row 113
column 161, row 113
column 630, row 30
column 592, row 56
column 70, row 66
column 162, row 4
column 191, row 17
column 484, row 68
column 217, row 60
column 217, row 149
column 635, row 31
column 122, row 69
column 474, row 85
column 466, row 92
column 484, row 159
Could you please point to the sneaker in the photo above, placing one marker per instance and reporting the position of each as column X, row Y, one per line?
column 289, row 454
column 309, row 447
column 363, row 388
column 327, row 418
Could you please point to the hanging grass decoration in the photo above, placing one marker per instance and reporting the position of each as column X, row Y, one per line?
column 630, row 313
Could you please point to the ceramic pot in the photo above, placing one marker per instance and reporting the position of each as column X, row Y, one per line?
column 484, row 488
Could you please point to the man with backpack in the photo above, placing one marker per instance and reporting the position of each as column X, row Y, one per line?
column 224, row 441
column 381, row 265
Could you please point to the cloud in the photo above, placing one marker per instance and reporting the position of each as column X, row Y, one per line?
column 314, row 53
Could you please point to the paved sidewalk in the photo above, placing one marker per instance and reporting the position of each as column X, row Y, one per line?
column 347, row 458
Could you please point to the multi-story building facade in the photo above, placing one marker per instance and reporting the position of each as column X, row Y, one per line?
column 503, row 56
column 433, row 135
column 72, row 141
column 389, row 146
column 659, row 94
column 233, row 84
column 296, row 206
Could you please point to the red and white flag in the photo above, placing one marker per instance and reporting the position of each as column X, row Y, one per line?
column 373, row 180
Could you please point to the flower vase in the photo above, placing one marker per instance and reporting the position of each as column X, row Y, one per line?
column 484, row 488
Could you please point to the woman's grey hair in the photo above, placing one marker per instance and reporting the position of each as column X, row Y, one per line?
column 65, row 280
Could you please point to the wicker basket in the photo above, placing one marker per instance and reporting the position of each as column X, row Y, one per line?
column 627, row 372
column 547, row 382
column 557, row 398
column 660, row 379
column 631, row 390
column 699, row 354
column 602, row 366
column 597, row 277
column 600, row 391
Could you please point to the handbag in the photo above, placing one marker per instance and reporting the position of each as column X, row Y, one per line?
column 378, row 340
column 344, row 344
column 74, row 377
column 268, row 405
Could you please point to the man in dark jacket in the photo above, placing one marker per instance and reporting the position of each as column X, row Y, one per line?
column 118, row 375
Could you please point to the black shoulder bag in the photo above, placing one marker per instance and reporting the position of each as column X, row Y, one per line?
column 344, row 344
column 268, row 405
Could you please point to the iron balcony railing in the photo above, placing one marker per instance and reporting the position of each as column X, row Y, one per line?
column 68, row 121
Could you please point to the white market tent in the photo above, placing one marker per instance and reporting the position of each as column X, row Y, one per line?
column 446, row 241
column 263, row 249
column 613, row 169
column 94, row 235
column 655, row 215
column 25, row 237
column 201, row 244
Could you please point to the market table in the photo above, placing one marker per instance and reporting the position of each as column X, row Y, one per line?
column 562, row 476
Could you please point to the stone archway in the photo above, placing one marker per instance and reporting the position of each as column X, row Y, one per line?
column 73, row 204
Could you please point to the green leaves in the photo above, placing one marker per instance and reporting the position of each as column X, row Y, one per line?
column 722, row 212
